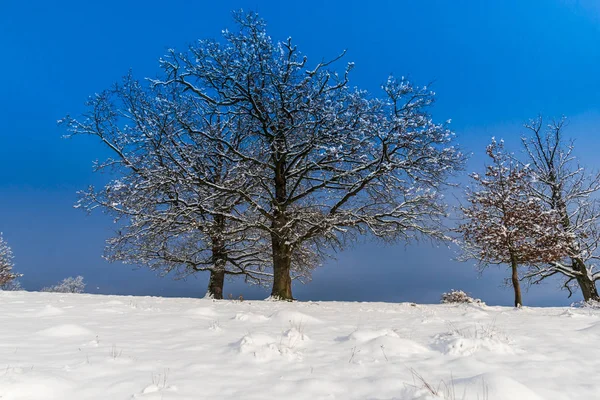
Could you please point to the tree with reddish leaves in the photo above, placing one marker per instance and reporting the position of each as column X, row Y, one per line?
column 505, row 224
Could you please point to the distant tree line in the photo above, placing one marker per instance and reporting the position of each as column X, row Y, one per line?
column 9, row 282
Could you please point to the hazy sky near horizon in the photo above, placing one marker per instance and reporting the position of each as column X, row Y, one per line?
column 493, row 65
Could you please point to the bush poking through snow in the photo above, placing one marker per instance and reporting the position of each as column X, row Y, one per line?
column 466, row 341
column 11, row 286
column 115, row 352
column 445, row 390
column 590, row 304
column 68, row 285
column 458, row 296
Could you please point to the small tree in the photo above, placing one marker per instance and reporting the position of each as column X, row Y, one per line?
column 503, row 222
column 562, row 184
column 6, row 264
column 173, row 220
column 67, row 285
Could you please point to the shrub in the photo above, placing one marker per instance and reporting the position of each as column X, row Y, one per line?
column 458, row 296
column 11, row 286
column 590, row 304
column 68, row 285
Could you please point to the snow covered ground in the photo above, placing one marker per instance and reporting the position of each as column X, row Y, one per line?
column 60, row 346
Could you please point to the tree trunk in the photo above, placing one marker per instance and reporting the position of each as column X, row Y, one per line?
column 282, row 251
column 515, row 282
column 587, row 286
column 219, row 260
column 215, row 284
column 282, row 260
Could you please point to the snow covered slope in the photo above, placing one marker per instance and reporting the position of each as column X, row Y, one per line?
column 61, row 346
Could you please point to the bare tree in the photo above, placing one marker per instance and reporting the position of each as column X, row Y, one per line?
column 505, row 224
column 240, row 150
column 564, row 185
column 6, row 263
column 329, row 162
column 172, row 218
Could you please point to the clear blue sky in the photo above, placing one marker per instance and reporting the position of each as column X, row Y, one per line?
column 494, row 64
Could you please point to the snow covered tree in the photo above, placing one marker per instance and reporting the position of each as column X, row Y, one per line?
column 505, row 224
column 565, row 186
column 67, row 285
column 173, row 218
column 6, row 263
column 12, row 286
column 326, row 162
column 241, row 157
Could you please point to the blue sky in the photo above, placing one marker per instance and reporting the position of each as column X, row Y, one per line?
column 493, row 65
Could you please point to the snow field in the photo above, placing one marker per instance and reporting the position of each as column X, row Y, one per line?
column 69, row 346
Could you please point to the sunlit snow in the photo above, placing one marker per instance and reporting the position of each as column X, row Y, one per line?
column 69, row 346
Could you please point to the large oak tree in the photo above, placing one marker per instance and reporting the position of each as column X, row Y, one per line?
column 306, row 162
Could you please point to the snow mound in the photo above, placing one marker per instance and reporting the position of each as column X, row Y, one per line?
column 65, row 331
column 108, row 311
column 250, row 317
column 155, row 391
column 473, row 311
column 19, row 384
column 468, row 342
column 592, row 329
column 581, row 313
column 294, row 337
column 388, row 346
column 294, row 318
column 49, row 311
column 569, row 314
column 494, row 387
column 432, row 320
column 485, row 386
column 380, row 345
column 215, row 326
column 365, row 335
column 201, row 312
column 266, row 348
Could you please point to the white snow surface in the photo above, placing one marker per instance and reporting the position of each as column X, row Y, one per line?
column 78, row 346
